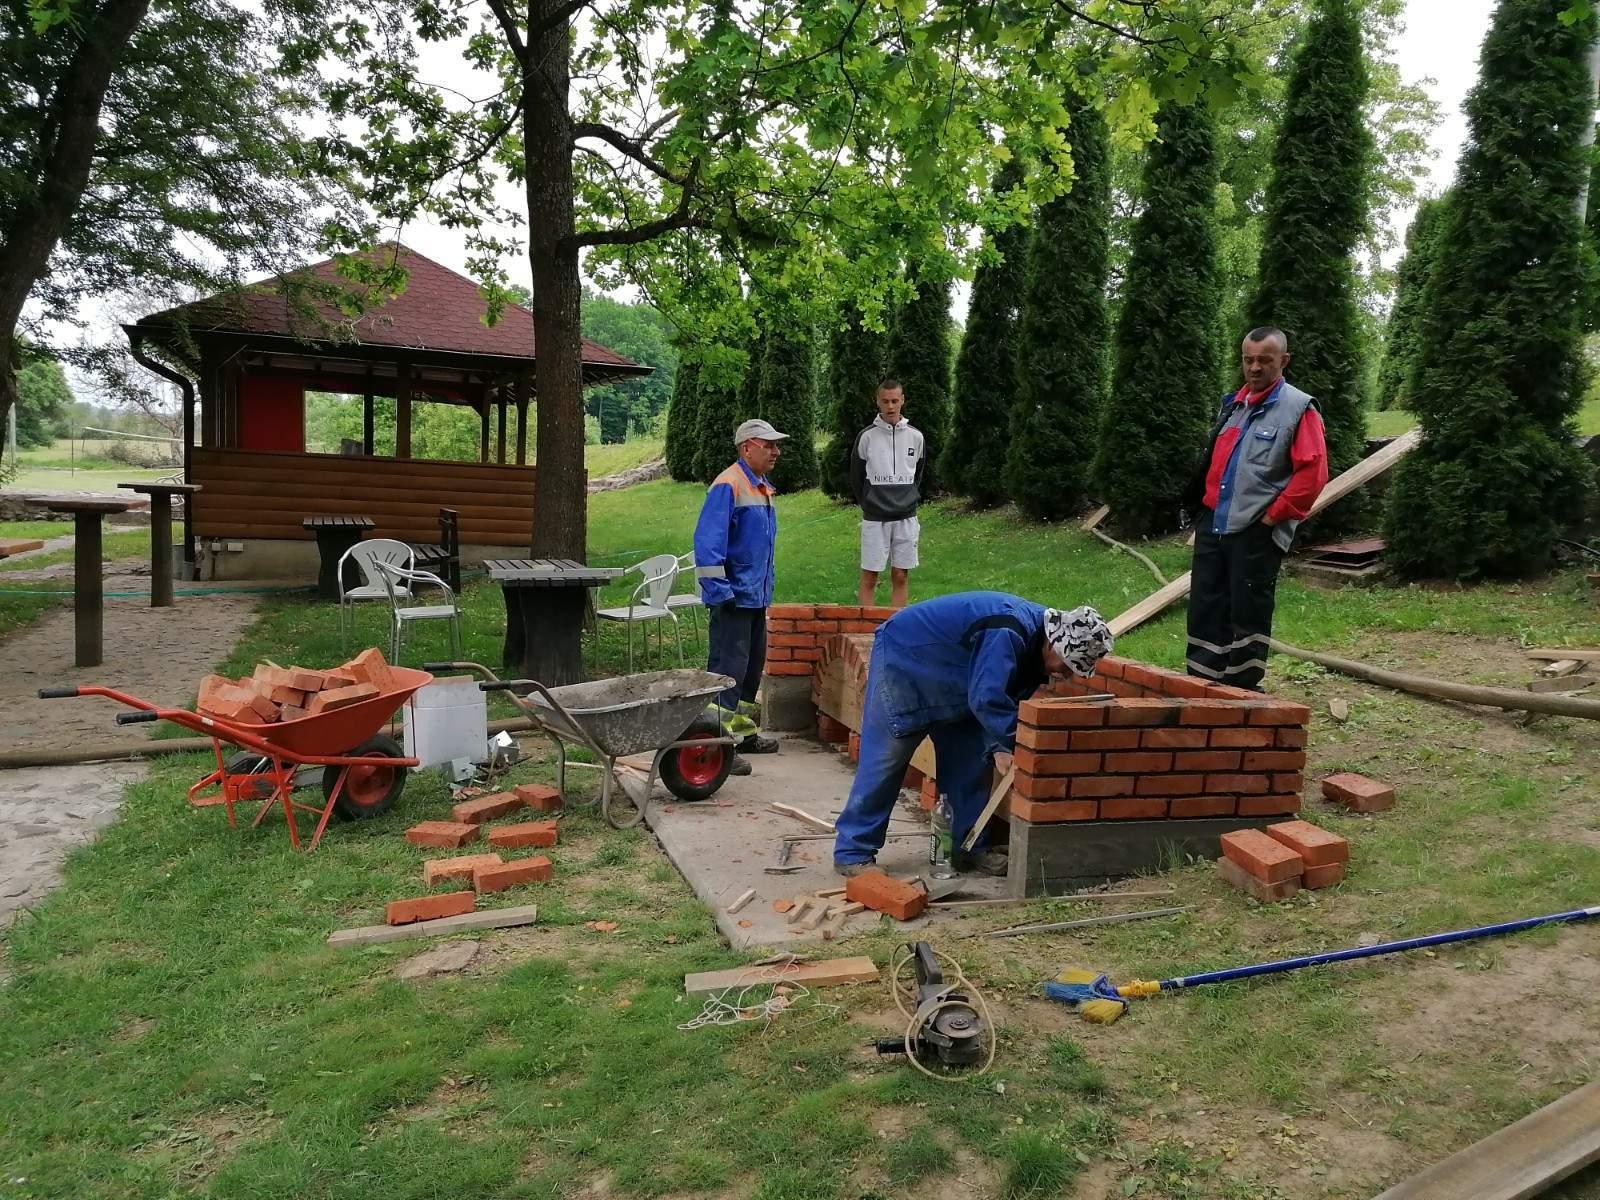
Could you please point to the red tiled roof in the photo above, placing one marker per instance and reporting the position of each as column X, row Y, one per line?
column 438, row 310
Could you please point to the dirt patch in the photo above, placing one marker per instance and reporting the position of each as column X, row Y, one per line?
column 206, row 1142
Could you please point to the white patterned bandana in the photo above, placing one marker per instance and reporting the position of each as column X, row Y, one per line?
column 1081, row 637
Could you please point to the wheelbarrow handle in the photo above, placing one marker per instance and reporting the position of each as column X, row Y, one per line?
column 58, row 693
column 473, row 668
column 137, row 718
column 504, row 685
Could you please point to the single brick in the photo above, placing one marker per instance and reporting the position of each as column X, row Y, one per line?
column 792, row 612
column 779, row 625
column 789, row 668
column 370, row 667
column 1316, row 847
column 1321, row 877
column 254, row 694
column 831, row 731
column 1290, row 738
column 1268, row 806
column 1059, row 714
column 1358, row 793
column 1173, row 739
column 1206, row 760
column 880, row 893
column 1243, row 739
column 1274, row 760
column 1184, row 687
column 790, row 639
column 1268, row 860
column 1051, row 812
column 1243, row 784
column 1291, row 781
column 1268, row 893
column 341, row 697
column 1145, row 710
column 853, row 748
column 290, row 713
column 1081, row 787
column 221, row 703
column 270, row 675
column 288, row 697
column 486, row 808
column 1222, row 691
column 1035, row 763
column 429, row 908
column 1029, row 738
column 1139, row 762
column 818, row 626
column 448, row 834
column 838, row 612
column 306, row 679
column 1106, row 739
column 540, row 797
column 1202, row 806
column 460, row 867
column 1280, row 713
column 528, row 833
column 1213, row 712
column 879, row 613
column 779, row 654
column 1053, row 787
column 1171, row 785
column 1109, row 667
column 1132, row 808
column 1141, row 675
column 537, row 869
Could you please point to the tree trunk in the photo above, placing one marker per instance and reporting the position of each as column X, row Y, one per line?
column 62, row 158
column 560, row 500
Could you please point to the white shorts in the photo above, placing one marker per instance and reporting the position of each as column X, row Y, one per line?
column 889, row 544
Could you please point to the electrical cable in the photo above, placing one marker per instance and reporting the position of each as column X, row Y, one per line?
column 915, row 1025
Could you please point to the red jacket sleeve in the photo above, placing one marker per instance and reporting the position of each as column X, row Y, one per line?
column 1310, row 457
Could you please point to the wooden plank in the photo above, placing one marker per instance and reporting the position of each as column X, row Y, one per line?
column 1092, row 521
column 1562, row 666
column 1363, row 472
column 499, row 918
column 1568, row 655
column 1564, row 683
column 10, row 546
column 277, row 462
column 1519, row 1161
column 997, row 794
column 800, row 814
column 813, row 974
column 745, row 897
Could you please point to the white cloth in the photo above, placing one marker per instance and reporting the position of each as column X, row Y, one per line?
column 889, row 544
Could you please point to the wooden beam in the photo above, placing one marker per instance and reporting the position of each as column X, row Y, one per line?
column 1561, row 683
column 522, row 421
column 1519, row 1161
column 812, row 974
column 1092, row 521
column 367, row 431
column 500, row 918
column 500, row 403
column 483, row 424
column 402, row 413
column 800, row 814
column 1560, row 667
column 1561, row 655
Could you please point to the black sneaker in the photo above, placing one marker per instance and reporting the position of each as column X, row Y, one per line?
column 756, row 744
column 740, row 766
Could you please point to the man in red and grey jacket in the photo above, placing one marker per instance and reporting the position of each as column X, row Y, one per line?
column 1266, row 465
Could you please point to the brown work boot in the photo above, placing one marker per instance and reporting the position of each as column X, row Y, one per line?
column 851, row 869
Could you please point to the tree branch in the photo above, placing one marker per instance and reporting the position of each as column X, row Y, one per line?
column 628, row 146
column 508, row 28
column 565, row 13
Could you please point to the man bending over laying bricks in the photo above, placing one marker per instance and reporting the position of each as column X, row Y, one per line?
column 955, row 669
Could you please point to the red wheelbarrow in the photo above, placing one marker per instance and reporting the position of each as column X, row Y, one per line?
column 364, row 771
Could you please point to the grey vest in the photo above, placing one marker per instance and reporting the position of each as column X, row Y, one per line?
column 1261, row 463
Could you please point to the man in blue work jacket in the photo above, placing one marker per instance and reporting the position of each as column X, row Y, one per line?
column 955, row 669
column 734, row 543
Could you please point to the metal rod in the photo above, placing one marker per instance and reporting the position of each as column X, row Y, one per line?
column 1058, row 926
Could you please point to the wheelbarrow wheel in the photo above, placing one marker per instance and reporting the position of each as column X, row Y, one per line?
column 696, row 772
column 368, row 791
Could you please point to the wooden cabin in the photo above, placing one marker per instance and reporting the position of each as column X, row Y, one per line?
column 244, row 362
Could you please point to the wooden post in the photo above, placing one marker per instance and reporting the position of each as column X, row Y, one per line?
column 483, row 424
column 367, row 440
column 161, row 548
column 88, row 600
column 500, row 399
column 402, row 412
column 522, row 421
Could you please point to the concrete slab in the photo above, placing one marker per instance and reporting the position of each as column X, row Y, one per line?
column 723, row 845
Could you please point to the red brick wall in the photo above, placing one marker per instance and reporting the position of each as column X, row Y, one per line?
column 796, row 633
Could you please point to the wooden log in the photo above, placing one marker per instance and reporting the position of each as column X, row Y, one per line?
column 813, row 974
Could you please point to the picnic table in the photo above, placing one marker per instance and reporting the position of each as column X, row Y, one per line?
column 88, row 599
column 161, row 495
column 546, row 601
column 335, row 535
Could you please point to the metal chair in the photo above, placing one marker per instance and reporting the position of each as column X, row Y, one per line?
column 367, row 555
column 648, row 602
column 400, row 583
column 690, row 600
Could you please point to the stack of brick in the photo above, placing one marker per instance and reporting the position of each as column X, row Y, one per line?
column 796, row 633
column 1275, row 863
column 274, row 694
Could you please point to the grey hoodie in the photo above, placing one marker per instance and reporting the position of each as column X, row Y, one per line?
column 886, row 470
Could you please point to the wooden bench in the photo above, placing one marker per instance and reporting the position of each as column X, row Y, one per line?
column 444, row 557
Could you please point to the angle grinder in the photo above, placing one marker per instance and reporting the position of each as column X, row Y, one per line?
column 947, row 1028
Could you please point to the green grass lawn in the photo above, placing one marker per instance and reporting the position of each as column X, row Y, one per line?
column 601, row 461
column 23, row 601
column 176, row 1027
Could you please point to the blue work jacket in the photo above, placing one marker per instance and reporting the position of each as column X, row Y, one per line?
column 973, row 654
column 735, row 540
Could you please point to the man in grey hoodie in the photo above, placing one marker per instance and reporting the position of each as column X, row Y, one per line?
column 886, row 472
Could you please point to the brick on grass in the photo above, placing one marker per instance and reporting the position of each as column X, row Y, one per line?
column 879, row 892
column 1269, row 806
column 1321, row 877
column 447, row 834
column 429, row 908
column 528, row 833
column 1144, row 710
column 1051, row 812
column 460, row 867
column 1268, row 860
column 1213, row 712
column 1316, row 847
column 1202, row 806
column 1267, row 893
column 537, row 869
column 1061, row 714
column 342, row 697
column 540, row 797
column 1358, row 793
column 486, row 808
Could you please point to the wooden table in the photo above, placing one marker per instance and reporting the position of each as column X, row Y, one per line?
column 335, row 535
column 546, row 600
column 161, row 495
column 88, row 598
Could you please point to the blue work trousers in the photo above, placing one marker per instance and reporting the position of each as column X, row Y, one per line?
column 961, row 751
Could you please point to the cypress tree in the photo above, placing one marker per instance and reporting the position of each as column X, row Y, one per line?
column 1591, row 241
column 1164, row 390
column 856, row 357
column 919, row 357
column 986, row 368
column 1316, row 212
column 1498, row 375
column 1411, row 281
column 786, row 397
column 683, row 421
column 1062, row 332
column 719, row 404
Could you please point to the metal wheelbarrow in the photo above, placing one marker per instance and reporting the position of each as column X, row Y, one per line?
column 658, row 711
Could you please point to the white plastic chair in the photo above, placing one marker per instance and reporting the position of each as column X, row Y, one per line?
column 649, row 602
column 367, row 555
column 401, row 582
column 689, row 599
